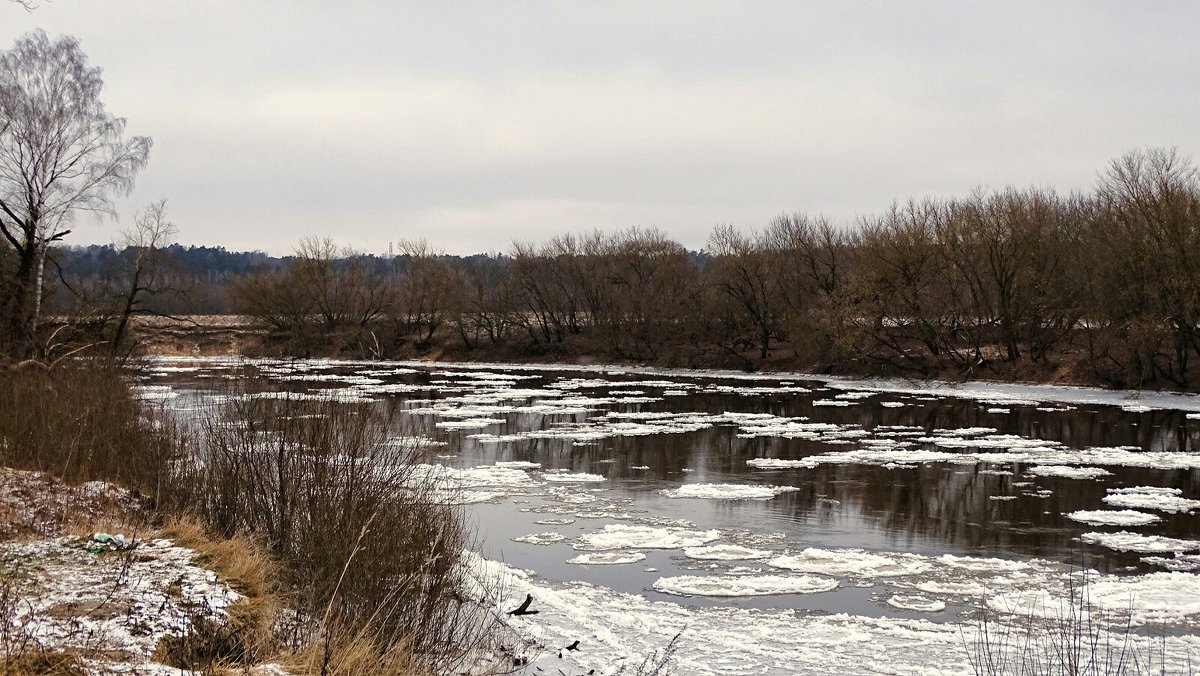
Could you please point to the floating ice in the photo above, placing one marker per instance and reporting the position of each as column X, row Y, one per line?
column 540, row 538
column 918, row 603
column 744, row 585
column 622, row 536
column 1151, row 497
column 1068, row 472
column 1180, row 562
column 1125, row 541
column 581, row 477
column 468, row 423
column 154, row 392
column 607, row 558
column 983, row 565
column 1154, row 598
column 777, row 463
column 485, row 475
column 725, row 553
column 832, row 402
column 850, row 562
column 1017, row 394
column 1104, row 517
column 978, row 589
column 727, row 491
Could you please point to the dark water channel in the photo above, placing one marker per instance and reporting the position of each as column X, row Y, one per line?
column 931, row 508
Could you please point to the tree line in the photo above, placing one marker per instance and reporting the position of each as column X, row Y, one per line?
column 1101, row 286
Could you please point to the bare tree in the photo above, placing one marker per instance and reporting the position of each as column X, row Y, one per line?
column 427, row 291
column 61, row 153
column 144, row 244
column 745, row 275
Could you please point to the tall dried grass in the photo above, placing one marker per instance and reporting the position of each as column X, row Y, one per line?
column 80, row 421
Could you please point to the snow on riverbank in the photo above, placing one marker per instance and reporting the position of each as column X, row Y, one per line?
column 112, row 605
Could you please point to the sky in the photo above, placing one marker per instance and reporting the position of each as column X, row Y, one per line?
column 474, row 125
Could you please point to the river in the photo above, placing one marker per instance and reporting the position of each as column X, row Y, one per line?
column 887, row 510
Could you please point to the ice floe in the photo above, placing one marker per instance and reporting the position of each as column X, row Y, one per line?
column 1124, row 541
column 624, row 536
column 1151, row 497
column 849, row 562
column 1105, row 517
column 607, row 558
column 725, row 552
column 1068, row 472
column 744, row 585
column 578, row 477
column 540, row 538
column 917, row 603
column 1179, row 562
column 727, row 491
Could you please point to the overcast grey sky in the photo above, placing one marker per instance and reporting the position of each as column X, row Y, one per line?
column 476, row 124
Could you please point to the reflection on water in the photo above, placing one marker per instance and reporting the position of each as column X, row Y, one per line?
column 979, row 509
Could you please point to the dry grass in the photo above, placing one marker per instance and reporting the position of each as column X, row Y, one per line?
column 355, row 651
column 79, row 421
column 248, row 634
column 241, row 562
column 43, row 663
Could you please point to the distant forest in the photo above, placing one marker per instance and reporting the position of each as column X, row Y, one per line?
column 1101, row 287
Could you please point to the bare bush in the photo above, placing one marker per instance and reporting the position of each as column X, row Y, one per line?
column 371, row 552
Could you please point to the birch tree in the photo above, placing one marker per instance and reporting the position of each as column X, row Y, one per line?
column 61, row 154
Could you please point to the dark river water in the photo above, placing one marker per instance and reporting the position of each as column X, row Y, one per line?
column 646, row 433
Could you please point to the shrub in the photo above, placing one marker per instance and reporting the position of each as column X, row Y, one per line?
column 373, row 556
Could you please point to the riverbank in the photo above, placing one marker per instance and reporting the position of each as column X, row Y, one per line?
column 220, row 335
